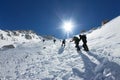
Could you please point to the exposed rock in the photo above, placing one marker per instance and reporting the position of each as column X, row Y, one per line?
column 28, row 36
column 8, row 47
column 16, row 33
column 2, row 37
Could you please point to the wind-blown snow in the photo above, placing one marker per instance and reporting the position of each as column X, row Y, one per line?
column 35, row 60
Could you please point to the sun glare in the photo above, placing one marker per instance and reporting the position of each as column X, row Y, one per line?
column 67, row 26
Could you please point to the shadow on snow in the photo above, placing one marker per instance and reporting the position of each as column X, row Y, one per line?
column 60, row 51
column 89, row 68
column 106, row 70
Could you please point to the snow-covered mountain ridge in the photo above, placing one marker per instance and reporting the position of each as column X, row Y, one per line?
column 16, row 35
column 19, row 36
column 50, row 61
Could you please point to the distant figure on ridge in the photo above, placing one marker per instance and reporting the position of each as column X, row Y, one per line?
column 76, row 41
column 54, row 40
column 84, row 40
column 63, row 42
column 43, row 40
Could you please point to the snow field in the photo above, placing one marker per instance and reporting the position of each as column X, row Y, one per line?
column 35, row 60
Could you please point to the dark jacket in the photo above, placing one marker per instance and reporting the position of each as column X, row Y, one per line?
column 76, row 40
column 83, row 38
column 63, row 42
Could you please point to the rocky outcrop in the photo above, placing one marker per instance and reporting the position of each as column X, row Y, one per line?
column 7, row 47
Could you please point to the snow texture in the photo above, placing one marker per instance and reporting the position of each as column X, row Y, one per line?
column 33, row 59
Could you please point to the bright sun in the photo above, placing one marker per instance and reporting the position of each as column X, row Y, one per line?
column 67, row 26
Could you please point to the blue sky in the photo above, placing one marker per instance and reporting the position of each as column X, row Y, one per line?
column 46, row 16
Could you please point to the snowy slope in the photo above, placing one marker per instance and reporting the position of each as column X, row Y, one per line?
column 49, row 61
column 107, row 38
column 20, row 36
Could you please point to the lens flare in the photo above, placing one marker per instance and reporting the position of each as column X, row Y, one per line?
column 67, row 26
